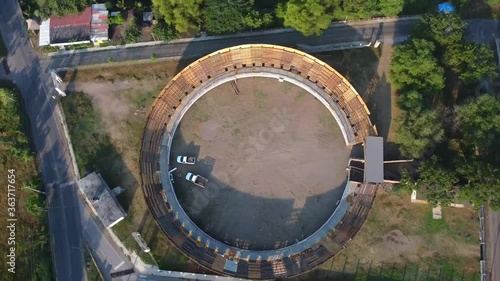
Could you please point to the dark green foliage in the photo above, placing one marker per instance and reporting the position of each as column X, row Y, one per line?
column 232, row 16
column 438, row 183
column 225, row 16
column 482, row 182
column 84, row 124
column 184, row 15
column 443, row 30
column 411, row 100
column 164, row 32
column 471, row 61
column 132, row 33
column 47, row 8
column 417, row 132
column 12, row 138
column 479, row 122
column 310, row 17
column 414, row 67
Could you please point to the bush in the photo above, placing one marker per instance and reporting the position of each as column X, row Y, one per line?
column 164, row 32
column 133, row 32
column 154, row 57
column 118, row 19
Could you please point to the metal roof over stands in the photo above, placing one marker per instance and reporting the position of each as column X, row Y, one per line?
column 374, row 160
column 267, row 61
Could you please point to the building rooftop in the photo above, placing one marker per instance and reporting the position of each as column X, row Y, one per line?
column 374, row 160
column 102, row 199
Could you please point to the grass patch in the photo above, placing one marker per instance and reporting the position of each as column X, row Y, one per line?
column 92, row 145
column 437, row 250
column 236, row 132
column 92, row 271
column 435, row 226
column 33, row 257
column 132, row 245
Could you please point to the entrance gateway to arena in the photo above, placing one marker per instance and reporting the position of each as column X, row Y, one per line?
column 351, row 113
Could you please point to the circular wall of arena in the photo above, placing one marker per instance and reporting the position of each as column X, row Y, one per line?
column 225, row 66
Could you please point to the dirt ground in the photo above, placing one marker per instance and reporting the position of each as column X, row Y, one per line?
column 275, row 159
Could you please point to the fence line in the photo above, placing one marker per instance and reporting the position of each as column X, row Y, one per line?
column 482, row 241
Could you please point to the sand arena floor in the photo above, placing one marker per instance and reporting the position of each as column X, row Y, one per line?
column 275, row 159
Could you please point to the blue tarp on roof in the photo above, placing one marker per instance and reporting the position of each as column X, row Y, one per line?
column 446, row 7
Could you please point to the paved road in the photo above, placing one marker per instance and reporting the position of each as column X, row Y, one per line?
column 34, row 84
column 339, row 33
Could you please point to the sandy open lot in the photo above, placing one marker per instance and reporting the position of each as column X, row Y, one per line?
column 275, row 159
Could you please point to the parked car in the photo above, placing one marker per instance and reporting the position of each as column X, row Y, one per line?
column 197, row 179
column 186, row 160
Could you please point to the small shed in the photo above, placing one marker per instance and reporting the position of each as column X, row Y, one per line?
column 33, row 24
column 102, row 199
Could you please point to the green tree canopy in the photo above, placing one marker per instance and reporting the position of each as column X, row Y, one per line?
column 164, row 32
column 479, row 121
column 411, row 100
column 310, row 17
column 47, row 8
column 184, row 15
column 445, row 30
column 472, row 62
column 414, row 67
column 417, row 132
column 221, row 16
column 438, row 183
column 483, row 183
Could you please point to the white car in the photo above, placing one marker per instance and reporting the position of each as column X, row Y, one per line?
column 197, row 179
column 186, row 160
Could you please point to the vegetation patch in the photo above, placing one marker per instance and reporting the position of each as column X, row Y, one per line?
column 33, row 258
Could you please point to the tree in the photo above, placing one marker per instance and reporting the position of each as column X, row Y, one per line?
column 438, row 183
column 445, row 30
column 184, row 15
column 164, row 32
column 310, row 17
column 479, row 122
column 47, row 8
column 132, row 33
column 391, row 8
column 359, row 9
column 254, row 19
column 471, row 62
column 483, row 182
column 418, row 131
column 411, row 100
column 414, row 67
column 226, row 15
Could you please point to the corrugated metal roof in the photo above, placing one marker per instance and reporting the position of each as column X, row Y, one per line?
column 99, row 23
column 44, row 34
column 374, row 159
column 72, row 20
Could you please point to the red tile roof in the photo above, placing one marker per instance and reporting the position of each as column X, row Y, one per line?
column 72, row 20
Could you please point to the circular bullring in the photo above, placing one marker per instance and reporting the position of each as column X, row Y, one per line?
column 209, row 72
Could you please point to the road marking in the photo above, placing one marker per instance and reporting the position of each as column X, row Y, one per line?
column 118, row 266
